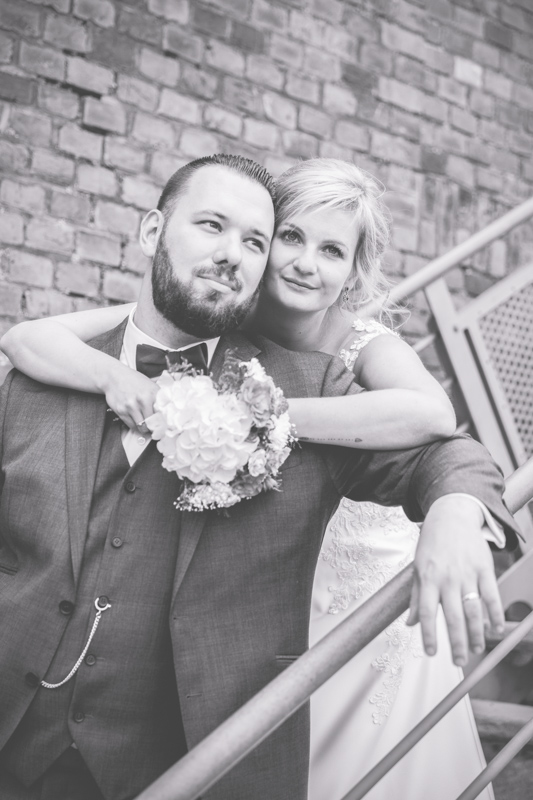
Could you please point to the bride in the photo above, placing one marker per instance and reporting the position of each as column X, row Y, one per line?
column 324, row 267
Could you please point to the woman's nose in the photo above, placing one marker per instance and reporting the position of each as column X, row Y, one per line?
column 305, row 263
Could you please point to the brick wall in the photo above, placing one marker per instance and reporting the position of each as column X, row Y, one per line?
column 100, row 100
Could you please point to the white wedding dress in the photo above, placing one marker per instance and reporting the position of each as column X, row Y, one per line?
column 380, row 695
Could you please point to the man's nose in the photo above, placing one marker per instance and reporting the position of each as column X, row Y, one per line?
column 229, row 252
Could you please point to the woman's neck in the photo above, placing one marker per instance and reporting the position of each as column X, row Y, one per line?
column 305, row 331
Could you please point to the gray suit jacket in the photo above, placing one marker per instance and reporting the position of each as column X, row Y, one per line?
column 242, row 583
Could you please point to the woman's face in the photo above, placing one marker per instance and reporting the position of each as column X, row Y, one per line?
column 311, row 257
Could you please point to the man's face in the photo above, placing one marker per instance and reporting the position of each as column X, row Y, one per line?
column 212, row 252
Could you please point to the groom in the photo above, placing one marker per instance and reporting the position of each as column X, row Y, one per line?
column 129, row 630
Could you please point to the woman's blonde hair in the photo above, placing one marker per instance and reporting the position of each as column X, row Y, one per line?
column 329, row 183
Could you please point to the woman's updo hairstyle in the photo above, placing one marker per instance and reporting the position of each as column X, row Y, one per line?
column 329, row 183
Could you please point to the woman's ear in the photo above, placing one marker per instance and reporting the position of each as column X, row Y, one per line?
column 151, row 230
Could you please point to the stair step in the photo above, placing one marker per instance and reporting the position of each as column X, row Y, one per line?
column 522, row 654
column 497, row 723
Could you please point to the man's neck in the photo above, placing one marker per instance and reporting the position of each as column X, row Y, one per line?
column 148, row 319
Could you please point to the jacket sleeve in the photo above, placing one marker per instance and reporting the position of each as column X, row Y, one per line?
column 415, row 478
column 4, row 394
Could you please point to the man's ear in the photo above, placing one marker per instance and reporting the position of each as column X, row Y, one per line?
column 151, row 230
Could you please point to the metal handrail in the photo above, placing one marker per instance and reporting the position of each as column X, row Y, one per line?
column 262, row 714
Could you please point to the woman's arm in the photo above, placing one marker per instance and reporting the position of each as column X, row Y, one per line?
column 53, row 351
column 406, row 406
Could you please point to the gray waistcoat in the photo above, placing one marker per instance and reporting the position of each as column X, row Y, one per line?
column 121, row 709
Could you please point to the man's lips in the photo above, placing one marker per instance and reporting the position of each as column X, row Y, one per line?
column 220, row 283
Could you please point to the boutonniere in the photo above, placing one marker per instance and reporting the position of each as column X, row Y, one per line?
column 226, row 439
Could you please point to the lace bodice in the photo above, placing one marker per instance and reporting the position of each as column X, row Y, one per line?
column 365, row 546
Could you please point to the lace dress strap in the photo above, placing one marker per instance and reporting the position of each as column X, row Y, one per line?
column 366, row 330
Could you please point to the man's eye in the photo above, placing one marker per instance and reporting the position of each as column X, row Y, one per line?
column 257, row 244
column 211, row 223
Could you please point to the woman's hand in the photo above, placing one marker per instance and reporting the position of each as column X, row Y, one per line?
column 454, row 566
column 129, row 394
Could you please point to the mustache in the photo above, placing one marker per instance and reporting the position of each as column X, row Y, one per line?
column 218, row 271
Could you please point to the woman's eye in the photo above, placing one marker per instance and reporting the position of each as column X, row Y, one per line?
column 289, row 236
column 334, row 251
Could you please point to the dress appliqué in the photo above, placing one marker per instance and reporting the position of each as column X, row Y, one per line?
column 360, row 572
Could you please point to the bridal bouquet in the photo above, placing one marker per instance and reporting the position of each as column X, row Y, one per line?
column 225, row 439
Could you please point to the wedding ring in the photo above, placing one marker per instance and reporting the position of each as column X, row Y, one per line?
column 470, row 596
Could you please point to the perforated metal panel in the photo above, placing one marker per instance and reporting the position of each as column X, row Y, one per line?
column 508, row 335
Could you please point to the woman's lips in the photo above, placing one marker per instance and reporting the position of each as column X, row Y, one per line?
column 299, row 284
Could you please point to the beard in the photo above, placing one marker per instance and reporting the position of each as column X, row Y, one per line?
column 197, row 314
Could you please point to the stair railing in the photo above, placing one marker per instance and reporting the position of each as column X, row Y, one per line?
column 212, row 758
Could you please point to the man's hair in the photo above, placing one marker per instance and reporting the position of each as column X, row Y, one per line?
column 177, row 183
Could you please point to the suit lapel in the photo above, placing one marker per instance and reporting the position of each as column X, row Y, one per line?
column 192, row 522
column 85, row 420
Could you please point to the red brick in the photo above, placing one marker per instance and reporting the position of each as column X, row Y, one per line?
column 307, row 28
column 63, row 6
column 486, row 55
column 240, row 8
column 10, row 300
column 359, row 80
column 398, row 39
column 17, row 89
column 461, row 171
column 104, row 115
column 365, row 28
column 27, row 197
column 42, row 60
column 452, row 141
column 182, row 43
column 338, row 100
column 101, row 12
column 314, row 121
column 197, row 143
column 30, row 126
column 302, row 88
column 86, row 75
column 153, row 131
column 163, row 165
column 208, row 21
column 22, row 267
column 199, row 82
column 241, row 95
column 299, row 145
column 226, row 59
column 50, row 234
column 427, row 238
column 179, row 106
column 481, row 103
column 341, row 43
column 77, row 279
column 176, row 10
column 402, row 123
column 159, row 68
column 468, row 22
column 112, row 50
column 317, row 62
column 391, row 148
column 116, row 218
column 134, row 259
column 523, row 95
column 66, row 33
column 457, row 42
column 415, row 74
column 499, row 35
column 246, row 38
column 45, row 303
column 53, row 167
column 140, row 193
column 453, row 91
column 269, row 15
column 121, row 286
column 96, row 180
column 437, row 59
column 286, row 51
column 260, row 134
column 280, row 110
column 402, row 95
column 376, row 59
column 143, row 27
column 468, row 72
column 99, row 248
column 137, row 93
column 497, row 84
column 405, row 238
column 20, row 18
column 6, row 48
column 332, row 150
column 434, row 108
column 493, row 132
column 276, row 165
column 11, row 227
column 350, row 135
column 70, row 206
column 330, row 10
column 120, row 153
column 463, row 120
column 58, row 101
column 223, row 121
column 82, row 144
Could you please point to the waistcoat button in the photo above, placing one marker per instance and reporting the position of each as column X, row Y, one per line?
column 79, row 716
column 32, row 680
column 90, row 660
column 103, row 601
column 130, row 486
column 116, row 542
column 66, row 607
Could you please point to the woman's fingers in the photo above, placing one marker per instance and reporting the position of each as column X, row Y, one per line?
column 490, row 594
column 413, row 606
column 428, row 604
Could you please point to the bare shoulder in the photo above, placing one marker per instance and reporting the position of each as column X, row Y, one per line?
column 361, row 333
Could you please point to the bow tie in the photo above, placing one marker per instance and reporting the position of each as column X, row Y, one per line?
column 151, row 361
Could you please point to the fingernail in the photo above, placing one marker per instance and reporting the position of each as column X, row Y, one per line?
column 478, row 649
column 430, row 651
column 460, row 661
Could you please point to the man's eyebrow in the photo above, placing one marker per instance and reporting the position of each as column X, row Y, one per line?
column 255, row 231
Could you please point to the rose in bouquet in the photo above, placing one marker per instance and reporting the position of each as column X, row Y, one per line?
column 226, row 439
